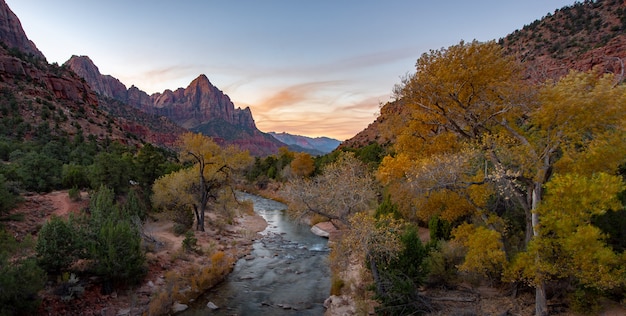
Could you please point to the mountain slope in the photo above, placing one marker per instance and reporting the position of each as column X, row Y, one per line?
column 581, row 37
column 12, row 33
column 315, row 146
column 200, row 107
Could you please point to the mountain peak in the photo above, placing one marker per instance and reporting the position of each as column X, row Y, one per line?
column 102, row 84
column 12, row 34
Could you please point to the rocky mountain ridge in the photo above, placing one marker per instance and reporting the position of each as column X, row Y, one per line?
column 12, row 33
column 200, row 107
column 314, row 146
column 41, row 98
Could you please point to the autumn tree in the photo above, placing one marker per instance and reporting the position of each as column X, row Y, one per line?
column 206, row 181
column 302, row 165
column 344, row 188
column 476, row 132
column 567, row 244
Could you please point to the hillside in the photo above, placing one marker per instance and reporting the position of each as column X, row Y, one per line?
column 581, row 36
column 39, row 99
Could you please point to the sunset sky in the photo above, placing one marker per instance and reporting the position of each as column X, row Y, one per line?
column 314, row 68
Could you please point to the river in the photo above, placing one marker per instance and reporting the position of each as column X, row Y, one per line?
column 286, row 273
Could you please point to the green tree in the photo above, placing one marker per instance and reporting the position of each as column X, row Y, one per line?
column 58, row 245
column 402, row 276
column 114, row 241
column 38, row 172
column 118, row 254
column 7, row 199
column 20, row 277
column 113, row 170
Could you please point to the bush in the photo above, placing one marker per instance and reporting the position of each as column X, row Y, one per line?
column 118, row 255
column 402, row 277
column 336, row 286
column 440, row 229
column 39, row 173
column 7, row 199
column 190, row 243
column 74, row 194
column 20, row 277
column 115, row 242
column 74, row 176
column 442, row 263
column 57, row 245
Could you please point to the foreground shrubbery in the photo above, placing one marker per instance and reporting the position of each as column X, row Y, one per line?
column 109, row 238
column 20, row 276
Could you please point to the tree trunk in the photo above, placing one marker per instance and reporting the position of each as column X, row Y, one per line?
column 201, row 220
column 197, row 214
column 379, row 285
column 541, row 304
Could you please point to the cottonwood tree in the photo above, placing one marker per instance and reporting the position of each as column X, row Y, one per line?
column 206, row 181
column 344, row 188
column 302, row 165
column 561, row 138
column 476, row 130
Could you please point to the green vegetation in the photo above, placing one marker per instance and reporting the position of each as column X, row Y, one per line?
column 20, row 276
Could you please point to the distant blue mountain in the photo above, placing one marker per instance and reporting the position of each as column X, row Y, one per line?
column 315, row 146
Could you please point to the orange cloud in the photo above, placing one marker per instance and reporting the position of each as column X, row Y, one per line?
column 337, row 121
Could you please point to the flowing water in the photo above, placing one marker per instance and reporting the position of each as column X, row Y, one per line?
column 286, row 274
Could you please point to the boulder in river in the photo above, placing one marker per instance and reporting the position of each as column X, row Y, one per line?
column 324, row 229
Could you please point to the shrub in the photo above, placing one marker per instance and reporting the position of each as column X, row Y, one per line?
column 20, row 277
column 190, row 243
column 336, row 286
column 74, row 176
column 74, row 194
column 440, row 229
column 402, row 277
column 442, row 263
column 57, row 245
column 7, row 199
column 118, row 255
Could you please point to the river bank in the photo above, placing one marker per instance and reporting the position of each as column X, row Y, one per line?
column 285, row 274
column 164, row 255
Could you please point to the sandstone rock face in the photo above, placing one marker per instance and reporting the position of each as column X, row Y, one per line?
column 105, row 85
column 200, row 107
column 12, row 33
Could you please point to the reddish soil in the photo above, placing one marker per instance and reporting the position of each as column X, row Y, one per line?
column 165, row 255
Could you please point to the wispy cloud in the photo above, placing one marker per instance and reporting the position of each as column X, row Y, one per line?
column 291, row 96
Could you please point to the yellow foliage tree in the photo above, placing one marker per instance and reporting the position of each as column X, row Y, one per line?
column 485, row 252
column 476, row 130
column 302, row 165
column 568, row 245
column 206, row 180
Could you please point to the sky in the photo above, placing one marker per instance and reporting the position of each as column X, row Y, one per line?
column 313, row 68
